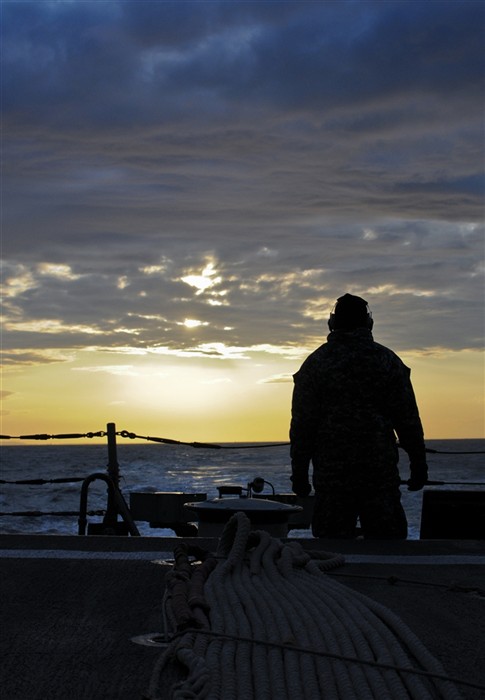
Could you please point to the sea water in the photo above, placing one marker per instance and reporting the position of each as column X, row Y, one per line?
column 160, row 467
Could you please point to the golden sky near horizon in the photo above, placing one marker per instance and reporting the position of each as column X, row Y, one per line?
column 216, row 400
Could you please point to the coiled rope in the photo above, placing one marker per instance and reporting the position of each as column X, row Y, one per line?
column 274, row 625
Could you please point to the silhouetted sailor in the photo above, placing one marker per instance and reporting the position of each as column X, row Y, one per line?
column 351, row 398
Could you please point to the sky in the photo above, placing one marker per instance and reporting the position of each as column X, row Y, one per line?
column 187, row 188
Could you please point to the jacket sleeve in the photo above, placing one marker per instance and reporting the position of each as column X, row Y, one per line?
column 304, row 419
column 405, row 415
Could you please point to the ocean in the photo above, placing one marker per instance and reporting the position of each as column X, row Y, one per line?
column 161, row 467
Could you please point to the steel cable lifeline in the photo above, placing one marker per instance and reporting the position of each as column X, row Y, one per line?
column 276, row 626
column 204, row 445
column 41, row 482
column 216, row 446
column 169, row 441
column 41, row 513
column 60, row 436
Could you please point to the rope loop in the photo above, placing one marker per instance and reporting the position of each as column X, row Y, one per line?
column 327, row 560
column 126, row 434
column 234, row 538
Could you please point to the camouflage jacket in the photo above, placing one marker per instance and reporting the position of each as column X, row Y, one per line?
column 351, row 397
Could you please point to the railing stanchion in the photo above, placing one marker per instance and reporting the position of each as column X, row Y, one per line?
column 113, row 466
column 111, row 516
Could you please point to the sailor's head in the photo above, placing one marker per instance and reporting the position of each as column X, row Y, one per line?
column 350, row 312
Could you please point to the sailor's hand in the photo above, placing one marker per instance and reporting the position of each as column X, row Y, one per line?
column 419, row 476
column 301, row 486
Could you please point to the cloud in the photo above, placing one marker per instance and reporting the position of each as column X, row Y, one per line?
column 126, row 62
column 108, row 369
column 426, row 266
column 277, row 379
column 18, row 358
column 204, row 179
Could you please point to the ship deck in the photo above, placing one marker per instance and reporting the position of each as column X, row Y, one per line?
column 71, row 606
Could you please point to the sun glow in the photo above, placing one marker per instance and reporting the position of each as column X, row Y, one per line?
column 205, row 280
column 211, row 392
column 193, row 323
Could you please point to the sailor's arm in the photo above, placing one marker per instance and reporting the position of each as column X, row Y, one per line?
column 409, row 430
column 304, row 415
